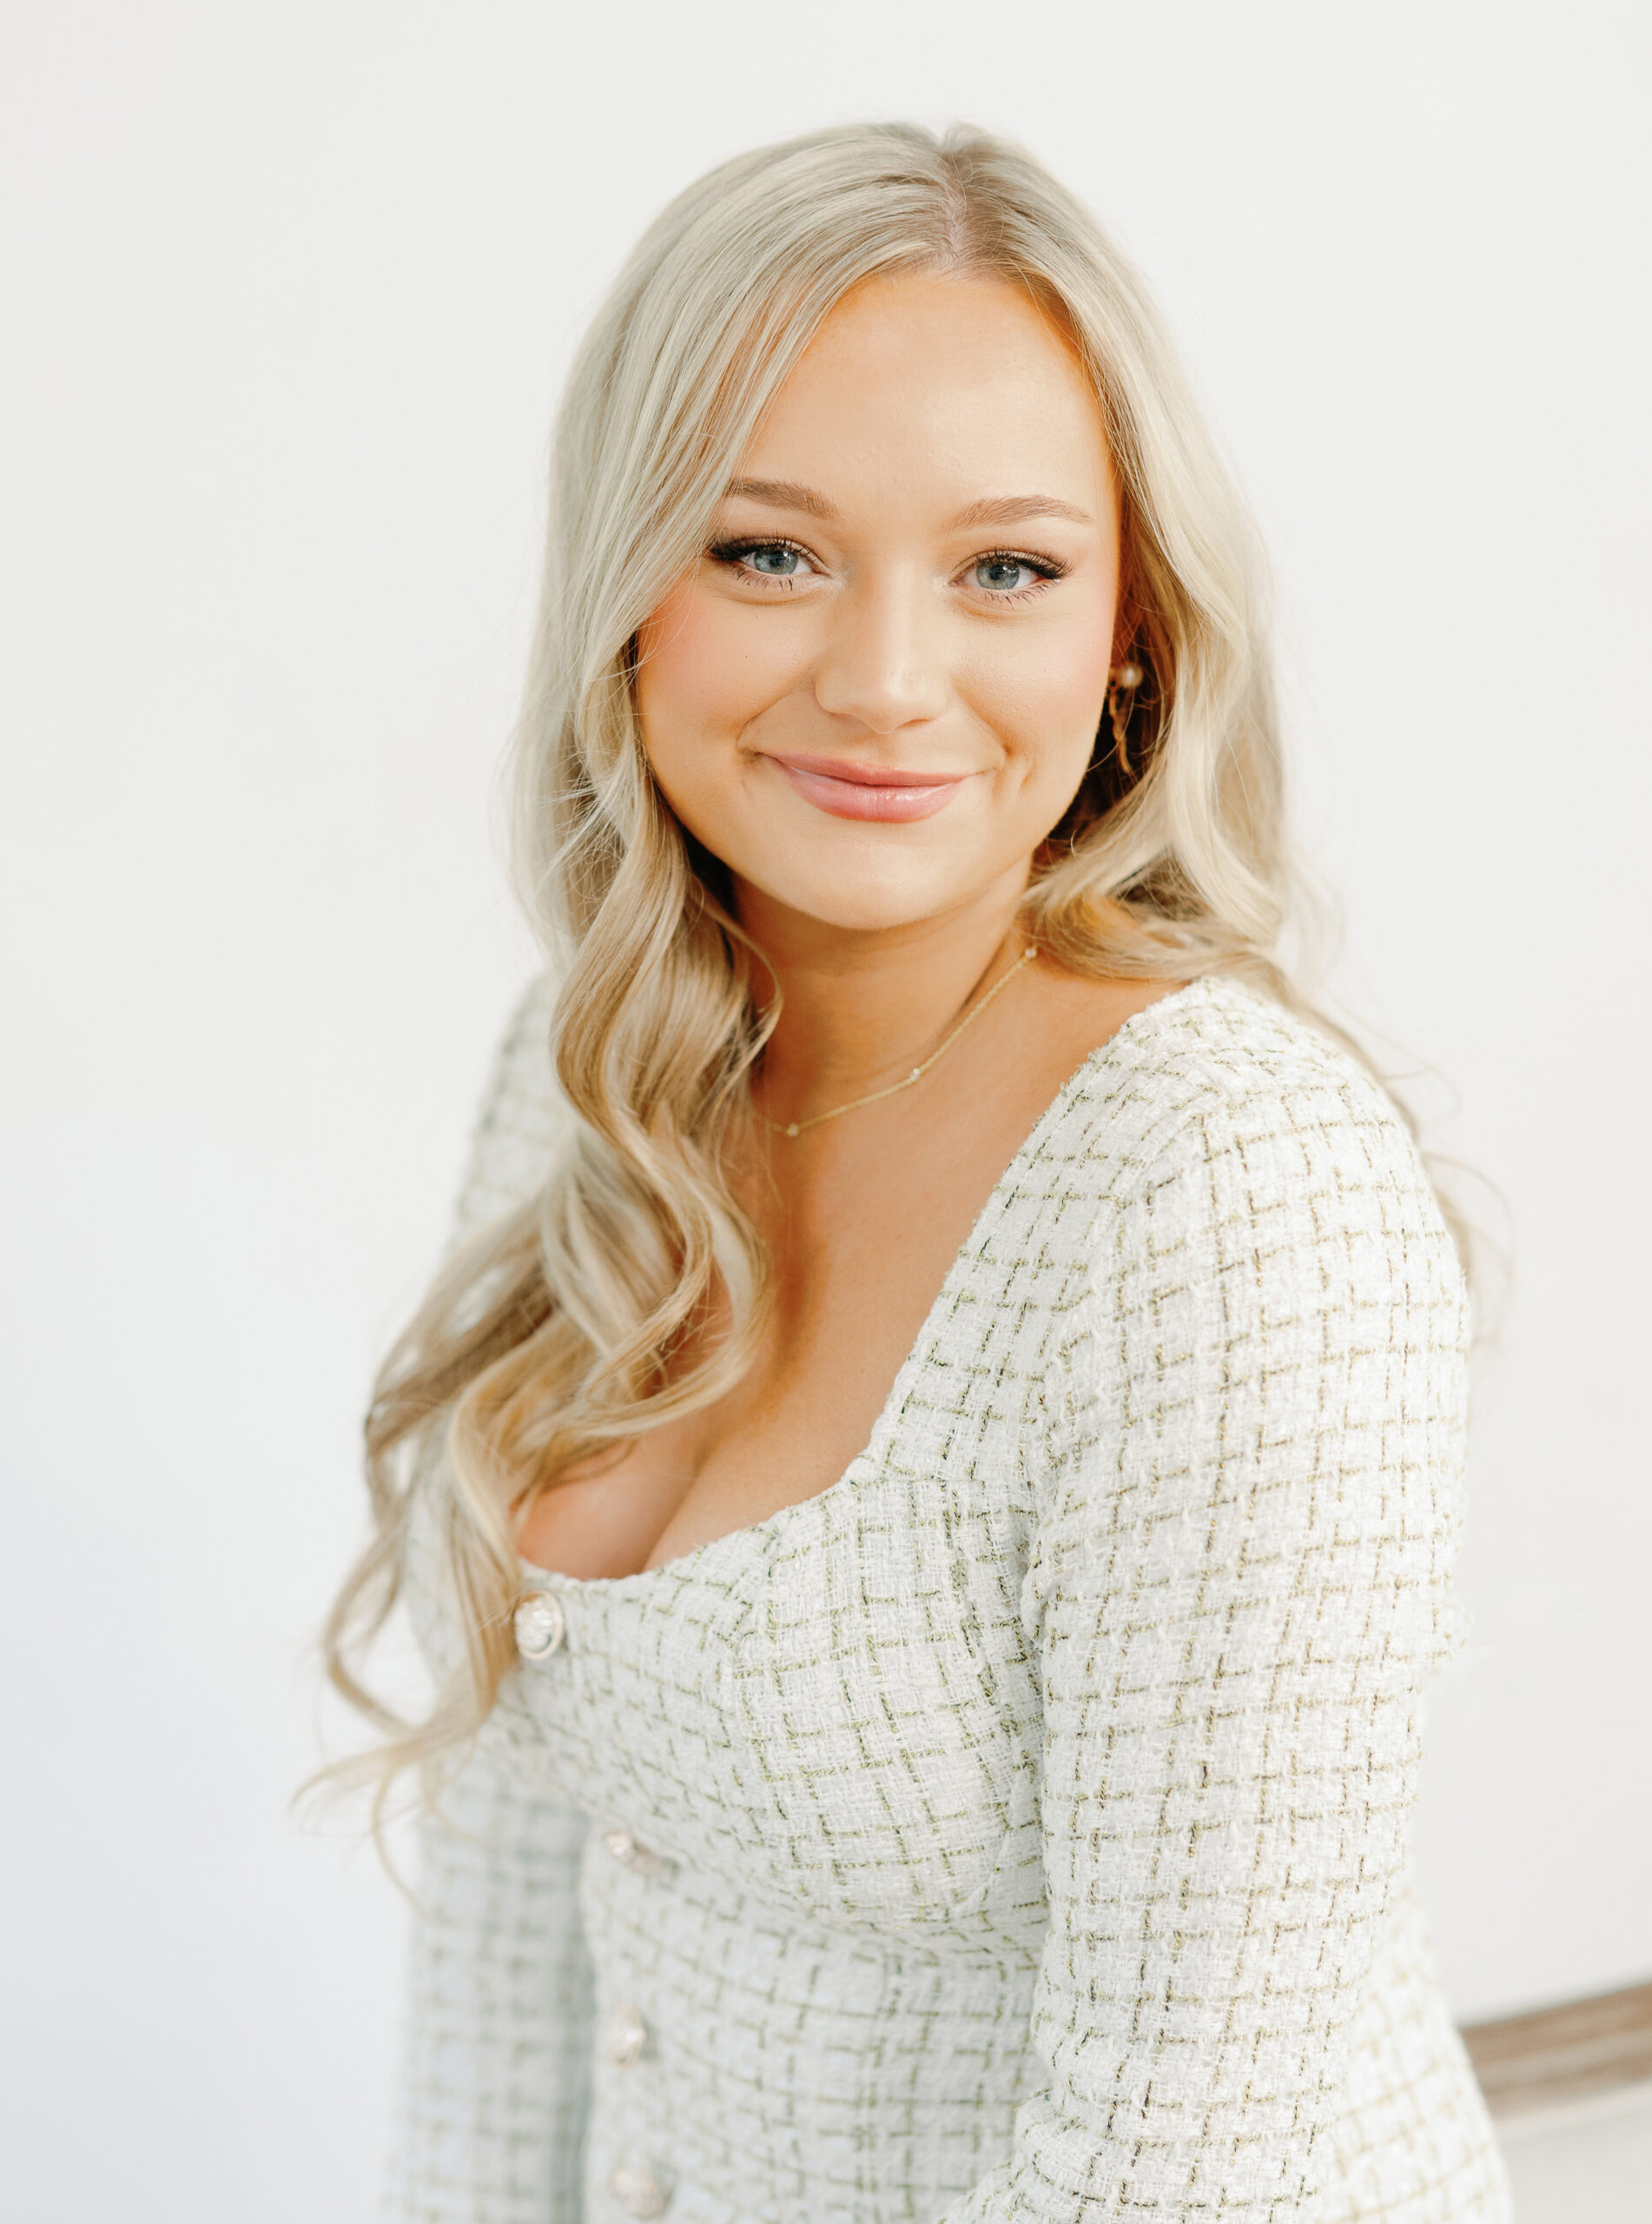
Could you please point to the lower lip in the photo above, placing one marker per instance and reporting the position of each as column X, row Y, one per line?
column 856, row 799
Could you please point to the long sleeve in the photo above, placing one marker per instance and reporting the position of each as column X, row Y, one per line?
column 1242, row 1589
column 495, row 2075
column 494, row 2083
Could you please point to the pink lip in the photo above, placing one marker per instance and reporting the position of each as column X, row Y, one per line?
column 852, row 790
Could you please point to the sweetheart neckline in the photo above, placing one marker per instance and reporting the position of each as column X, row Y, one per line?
column 537, row 1577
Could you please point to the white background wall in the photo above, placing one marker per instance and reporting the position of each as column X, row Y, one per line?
column 287, row 290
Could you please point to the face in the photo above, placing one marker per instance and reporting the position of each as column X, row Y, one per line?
column 879, row 687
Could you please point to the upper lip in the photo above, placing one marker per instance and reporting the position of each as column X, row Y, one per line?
column 865, row 776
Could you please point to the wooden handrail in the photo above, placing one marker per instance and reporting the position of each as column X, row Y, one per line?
column 1563, row 2053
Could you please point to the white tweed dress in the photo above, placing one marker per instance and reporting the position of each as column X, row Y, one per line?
column 1020, row 1830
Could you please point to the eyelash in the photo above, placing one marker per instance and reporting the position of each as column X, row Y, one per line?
column 730, row 553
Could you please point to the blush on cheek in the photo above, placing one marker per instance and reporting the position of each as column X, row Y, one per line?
column 1080, row 674
column 693, row 679
column 665, row 643
column 1052, row 706
column 1079, row 684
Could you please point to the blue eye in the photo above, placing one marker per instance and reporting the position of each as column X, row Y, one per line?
column 781, row 561
column 1001, row 573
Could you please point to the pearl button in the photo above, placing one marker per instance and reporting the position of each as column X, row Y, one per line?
column 540, row 1626
column 623, row 1848
column 627, row 2035
column 637, row 2191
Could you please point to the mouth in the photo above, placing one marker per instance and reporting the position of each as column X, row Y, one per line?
column 846, row 789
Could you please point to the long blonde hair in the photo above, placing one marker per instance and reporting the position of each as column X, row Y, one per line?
column 568, row 1324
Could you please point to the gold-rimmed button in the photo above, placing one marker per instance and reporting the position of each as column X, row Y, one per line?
column 541, row 1627
column 621, row 1846
column 638, row 2192
column 627, row 2035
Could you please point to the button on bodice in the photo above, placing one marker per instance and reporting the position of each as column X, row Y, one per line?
column 638, row 2192
column 627, row 2035
column 541, row 1624
column 620, row 1846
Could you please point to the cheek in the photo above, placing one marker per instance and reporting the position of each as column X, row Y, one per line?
column 1048, row 697
column 702, row 674
column 1078, row 680
column 677, row 669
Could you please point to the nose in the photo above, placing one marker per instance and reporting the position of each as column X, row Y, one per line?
column 883, row 663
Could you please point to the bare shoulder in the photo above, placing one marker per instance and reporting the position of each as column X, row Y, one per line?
column 1074, row 1015
column 1215, row 1035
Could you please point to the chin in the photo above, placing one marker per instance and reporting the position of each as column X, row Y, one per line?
column 869, row 916
column 899, row 893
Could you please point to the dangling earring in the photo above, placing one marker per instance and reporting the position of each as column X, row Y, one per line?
column 1121, row 686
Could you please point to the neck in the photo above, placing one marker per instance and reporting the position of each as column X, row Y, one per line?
column 860, row 1007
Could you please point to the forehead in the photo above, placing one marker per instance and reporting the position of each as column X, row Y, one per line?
column 959, row 383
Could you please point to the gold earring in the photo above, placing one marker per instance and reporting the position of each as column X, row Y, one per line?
column 1121, row 686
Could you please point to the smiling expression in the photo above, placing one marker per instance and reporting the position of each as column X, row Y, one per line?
column 879, row 687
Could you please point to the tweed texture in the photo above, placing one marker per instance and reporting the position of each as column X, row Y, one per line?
column 1018, row 1829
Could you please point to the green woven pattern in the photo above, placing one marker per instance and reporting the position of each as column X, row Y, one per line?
column 1030, row 1810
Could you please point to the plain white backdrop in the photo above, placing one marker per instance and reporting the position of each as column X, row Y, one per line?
column 289, row 291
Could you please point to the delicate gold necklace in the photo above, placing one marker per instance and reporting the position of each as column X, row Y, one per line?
column 796, row 1127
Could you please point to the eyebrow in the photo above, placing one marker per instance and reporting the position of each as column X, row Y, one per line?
column 1013, row 509
column 1002, row 509
column 783, row 495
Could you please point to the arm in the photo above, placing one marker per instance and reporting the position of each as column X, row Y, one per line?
column 1242, row 1589
column 493, row 2087
column 496, row 2060
column 520, row 1121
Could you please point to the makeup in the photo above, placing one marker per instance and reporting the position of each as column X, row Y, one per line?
column 893, row 794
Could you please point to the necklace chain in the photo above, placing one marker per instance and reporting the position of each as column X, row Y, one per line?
column 876, row 1096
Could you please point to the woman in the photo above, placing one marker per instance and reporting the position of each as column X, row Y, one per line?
column 929, row 1481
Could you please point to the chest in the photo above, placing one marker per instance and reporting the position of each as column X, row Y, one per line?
column 859, row 1242
column 836, row 1709
column 837, row 1713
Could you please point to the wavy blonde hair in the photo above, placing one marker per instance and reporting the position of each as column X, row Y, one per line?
column 569, row 1325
